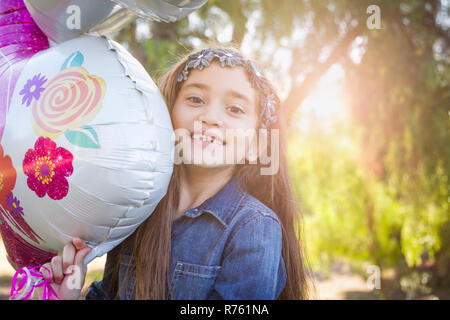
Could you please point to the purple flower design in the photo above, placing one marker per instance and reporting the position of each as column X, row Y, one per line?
column 14, row 204
column 33, row 89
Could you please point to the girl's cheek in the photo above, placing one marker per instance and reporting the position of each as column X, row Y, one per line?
column 183, row 111
column 177, row 117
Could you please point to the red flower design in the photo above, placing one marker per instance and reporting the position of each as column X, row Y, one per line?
column 7, row 183
column 47, row 167
column 7, row 177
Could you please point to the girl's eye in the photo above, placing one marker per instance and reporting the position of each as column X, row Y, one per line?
column 236, row 110
column 195, row 100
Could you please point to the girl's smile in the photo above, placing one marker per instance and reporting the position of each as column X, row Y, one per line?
column 208, row 138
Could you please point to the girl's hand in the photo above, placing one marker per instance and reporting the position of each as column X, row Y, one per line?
column 67, row 272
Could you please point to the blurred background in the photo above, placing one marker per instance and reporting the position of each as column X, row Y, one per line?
column 366, row 87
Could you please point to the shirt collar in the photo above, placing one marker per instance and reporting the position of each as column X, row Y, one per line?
column 222, row 204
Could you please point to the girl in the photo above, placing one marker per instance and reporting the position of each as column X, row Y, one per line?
column 223, row 230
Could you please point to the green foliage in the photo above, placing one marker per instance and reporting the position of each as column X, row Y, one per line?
column 161, row 55
column 417, row 284
column 374, row 188
column 333, row 194
column 401, row 111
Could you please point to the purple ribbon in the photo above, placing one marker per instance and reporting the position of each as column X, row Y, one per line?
column 31, row 278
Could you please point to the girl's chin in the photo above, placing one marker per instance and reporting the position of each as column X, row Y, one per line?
column 209, row 166
column 207, row 162
column 210, row 157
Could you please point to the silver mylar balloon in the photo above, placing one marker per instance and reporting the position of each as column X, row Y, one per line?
column 162, row 10
column 62, row 20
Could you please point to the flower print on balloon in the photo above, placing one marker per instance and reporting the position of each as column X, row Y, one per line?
column 14, row 213
column 33, row 89
column 47, row 167
column 69, row 101
column 13, row 204
column 10, row 208
column 7, row 177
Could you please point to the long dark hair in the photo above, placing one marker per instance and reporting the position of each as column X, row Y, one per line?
column 151, row 241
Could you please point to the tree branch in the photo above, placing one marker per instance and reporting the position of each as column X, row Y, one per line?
column 300, row 92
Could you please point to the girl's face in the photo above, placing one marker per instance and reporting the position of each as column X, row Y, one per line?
column 213, row 105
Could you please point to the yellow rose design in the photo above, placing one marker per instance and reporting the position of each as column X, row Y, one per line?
column 70, row 100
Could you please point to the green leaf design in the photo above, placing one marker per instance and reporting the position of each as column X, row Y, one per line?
column 84, row 137
column 76, row 59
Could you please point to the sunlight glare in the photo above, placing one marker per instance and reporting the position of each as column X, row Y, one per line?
column 326, row 103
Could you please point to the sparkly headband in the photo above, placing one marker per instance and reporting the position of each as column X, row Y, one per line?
column 232, row 59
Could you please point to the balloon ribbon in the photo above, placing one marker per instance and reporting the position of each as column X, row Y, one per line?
column 30, row 279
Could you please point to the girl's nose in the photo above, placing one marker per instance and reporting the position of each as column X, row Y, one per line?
column 211, row 117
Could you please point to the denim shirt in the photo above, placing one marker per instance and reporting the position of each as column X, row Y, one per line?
column 229, row 247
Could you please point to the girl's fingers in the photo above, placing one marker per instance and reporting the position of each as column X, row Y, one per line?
column 68, row 256
column 81, row 254
column 79, row 243
column 82, row 251
column 46, row 271
column 57, row 271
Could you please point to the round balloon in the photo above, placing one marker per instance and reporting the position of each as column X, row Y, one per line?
column 165, row 10
column 86, row 149
column 62, row 20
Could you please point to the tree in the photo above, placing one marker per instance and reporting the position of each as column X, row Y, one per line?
column 399, row 98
